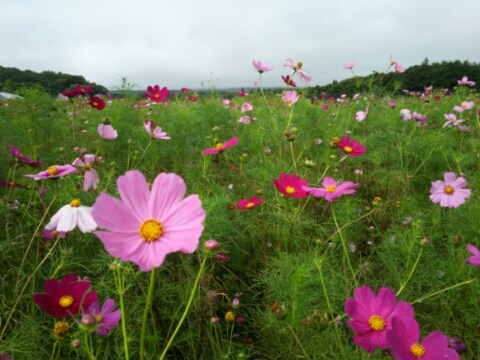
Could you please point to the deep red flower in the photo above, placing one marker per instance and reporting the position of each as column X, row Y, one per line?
column 325, row 107
column 69, row 93
column 289, row 81
column 291, row 185
column 351, row 147
column 156, row 94
column 248, row 204
column 192, row 98
column 222, row 257
column 10, row 184
column 64, row 299
column 81, row 90
column 96, row 102
column 185, row 90
column 314, row 103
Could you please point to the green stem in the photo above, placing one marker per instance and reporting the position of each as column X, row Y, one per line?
column 87, row 345
column 298, row 342
column 145, row 312
column 443, row 290
column 411, row 273
column 164, row 353
column 120, row 290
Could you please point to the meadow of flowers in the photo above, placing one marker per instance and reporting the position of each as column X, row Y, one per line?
column 246, row 226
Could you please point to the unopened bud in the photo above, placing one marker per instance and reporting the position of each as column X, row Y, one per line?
column 210, row 245
column 425, row 241
column 76, row 343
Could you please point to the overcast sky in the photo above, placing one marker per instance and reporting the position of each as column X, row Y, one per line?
column 185, row 42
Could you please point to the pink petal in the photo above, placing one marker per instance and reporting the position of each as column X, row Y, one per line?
column 112, row 214
column 450, row 178
column 167, row 192
column 120, row 245
column 133, row 189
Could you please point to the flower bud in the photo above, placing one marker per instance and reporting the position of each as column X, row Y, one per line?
column 425, row 241
column 318, row 321
column 76, row 343
column 88, row 322
column 236, row 302
column 279, row 311
column 210, row 245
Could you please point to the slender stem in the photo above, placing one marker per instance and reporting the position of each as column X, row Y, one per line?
column 411, row 273
column 443, row 290
column 263, row 95
column 145, row 312
column 120, row 290
column 26, row 284
column 87, row 345
column 298, row 341
column 164, row 353
column 293, row 158
column 339, row 232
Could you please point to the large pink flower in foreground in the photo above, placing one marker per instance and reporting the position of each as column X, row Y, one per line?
column 351, row 147
column 450, row 192
column 331, row 190
column 404, row 338
column 66, row 298
column 291, row 185
column 372, row 316
column 149, row 224
column 221, row 147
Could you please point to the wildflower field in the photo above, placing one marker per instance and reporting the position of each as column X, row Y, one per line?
column 250, row 225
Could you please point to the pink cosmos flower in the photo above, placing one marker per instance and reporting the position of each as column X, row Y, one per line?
column 91, row 178
column 357, row 96
column 255, row 83
column 372, row 316
column 192, row 98
column 157, row 133
column 419, row 117
column 50, row 234
column 242, row 93
column 246, row 107
column 398, row 68
column 475, row 259
column 361, row 115
column 428, row 89
column 450, row 192
column 185, row 90
column 331, row 190
column 17, row 153
column 325, row 107
column 107, row 132
column 244, row 120
column 72, row 215
column 149, row 224
column 156, row 94
column 261, row 67
column 54, row 171
column 302, row 75
column 466, row 105
column 351, row 147
column 404, row 338
column 465, row 81
column 405, row 113
column 349, row 65
column 96, row 103
column 290, row 98
column 393, row 104
column 106, row 317
column 248, row 204
column 221, row 147
column 289, row 81
column 452, row 119
column 66, row 298
column 291, row 185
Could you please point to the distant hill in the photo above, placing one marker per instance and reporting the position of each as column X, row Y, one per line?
column 13, row 79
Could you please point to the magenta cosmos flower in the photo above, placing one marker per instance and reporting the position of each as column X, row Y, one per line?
column 475, row 259
column 149, row 224
column 372, row 316
column 91, row 178
column 261, row 67
column 156, row 94
column 291, row 185
column 248, row 204
column 106, row 317
column 349, row 65
column 157, row 133
column 54, row 171
column 221, row 147
column 107, row 132
column 290, row 98
column 331, row 190
column 351, row 147
column 82, row 90
column 66, row 298
column 450, row 192
column 17, row 153
column 404, row 338
column 96, row 102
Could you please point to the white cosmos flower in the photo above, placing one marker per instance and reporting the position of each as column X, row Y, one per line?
column 72, row 215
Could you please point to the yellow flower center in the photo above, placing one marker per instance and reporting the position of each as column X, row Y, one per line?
column 60, row 328
column 347, row 149
column 288, row 102
column 290, row 190
column 376, row 323
column 157, row 95
column 464, row 106
column 52, row 170
column 448, row 190
column 54, row 233
column 417, row 350
column 151, row 230
column 250, row 205
column 66, row 301
column 75, row 203
column 336, row 140
column 219, row 146
column 229, row 316
column 298, row 66
column 99, row 319
column 88, row 166
column 331, row 188
column 95, row 104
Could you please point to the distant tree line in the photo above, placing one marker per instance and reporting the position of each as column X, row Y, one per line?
column 442, row 75
column 13, row 79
